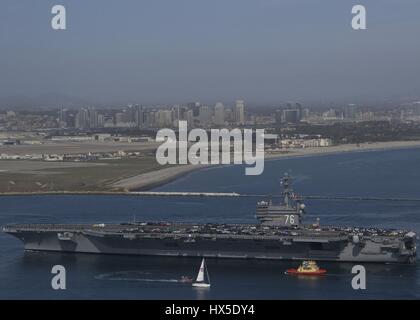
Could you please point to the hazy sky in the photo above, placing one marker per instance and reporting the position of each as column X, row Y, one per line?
column 187, row 50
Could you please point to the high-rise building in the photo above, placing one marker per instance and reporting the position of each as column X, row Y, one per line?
column 190, row 118
column 219, row 114
column 82, row 119
column 305, row 114
column 240, row 112
column 165, row 118
column 278, row 118
column 205, row 116
column 350, row 111
column 101, row 121
column 195, row 107
column 291, row 116
column 150, row 118
column 182, row 113
column 130, row 113
column 229, row 115
column 299, row 110
column 93, row 118
column 63, row 119
column 139, row 115
column 119, row 119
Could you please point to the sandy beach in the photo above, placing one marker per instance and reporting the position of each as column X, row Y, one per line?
column 155, row 178
column 159, row 177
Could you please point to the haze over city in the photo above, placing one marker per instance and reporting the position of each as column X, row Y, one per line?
column 209, row 150
column 179, row 51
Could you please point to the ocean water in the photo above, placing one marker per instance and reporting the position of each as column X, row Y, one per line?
column 383, row 173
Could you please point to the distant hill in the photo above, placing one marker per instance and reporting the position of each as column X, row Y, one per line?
column 44, row 101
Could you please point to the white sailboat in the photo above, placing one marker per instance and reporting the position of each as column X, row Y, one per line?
column 202, row 274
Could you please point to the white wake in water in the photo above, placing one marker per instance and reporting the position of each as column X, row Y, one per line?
column 129, row 276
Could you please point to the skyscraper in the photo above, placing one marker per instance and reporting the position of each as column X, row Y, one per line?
column 195, row 107
column 190, row 118
column 205, row 115
column 130, row 113
column 63, row 118
column 278, row 119
column 240, row 112
column 139, row 116
column 291, row 116
column 93, row 118
column 82, row 119
column 165, row 118
column 299, row 109
column 219, row 114
column 350, row 111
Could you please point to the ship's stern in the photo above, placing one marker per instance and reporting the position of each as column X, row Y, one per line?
column 408, row 248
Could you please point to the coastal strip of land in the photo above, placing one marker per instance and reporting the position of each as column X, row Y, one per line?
column 156, row 178
column 119, row 177
column 344, row 148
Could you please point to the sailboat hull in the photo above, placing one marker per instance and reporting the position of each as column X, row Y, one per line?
column 201, row 285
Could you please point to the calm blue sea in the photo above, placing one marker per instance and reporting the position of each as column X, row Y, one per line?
column 382, row 173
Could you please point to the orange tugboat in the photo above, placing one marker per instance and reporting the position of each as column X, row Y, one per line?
column 309, row 268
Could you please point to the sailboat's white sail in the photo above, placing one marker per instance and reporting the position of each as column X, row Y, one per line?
column 200, row 276
column 202, row 273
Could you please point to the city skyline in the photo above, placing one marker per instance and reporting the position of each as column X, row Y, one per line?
column 200, row 115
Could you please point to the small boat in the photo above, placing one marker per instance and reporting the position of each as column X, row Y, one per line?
column 185, row 279
column 309, row 268
column 201, row 281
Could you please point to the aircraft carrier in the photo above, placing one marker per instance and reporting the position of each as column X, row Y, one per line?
column 279, row 234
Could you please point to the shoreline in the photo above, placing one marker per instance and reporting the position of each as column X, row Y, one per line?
column 346, row 148
column 157, row 178
column 154, row 179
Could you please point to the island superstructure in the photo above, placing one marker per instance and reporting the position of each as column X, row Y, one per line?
column 279, row 234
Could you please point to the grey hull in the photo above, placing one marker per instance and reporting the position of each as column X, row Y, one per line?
column 293, row 249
